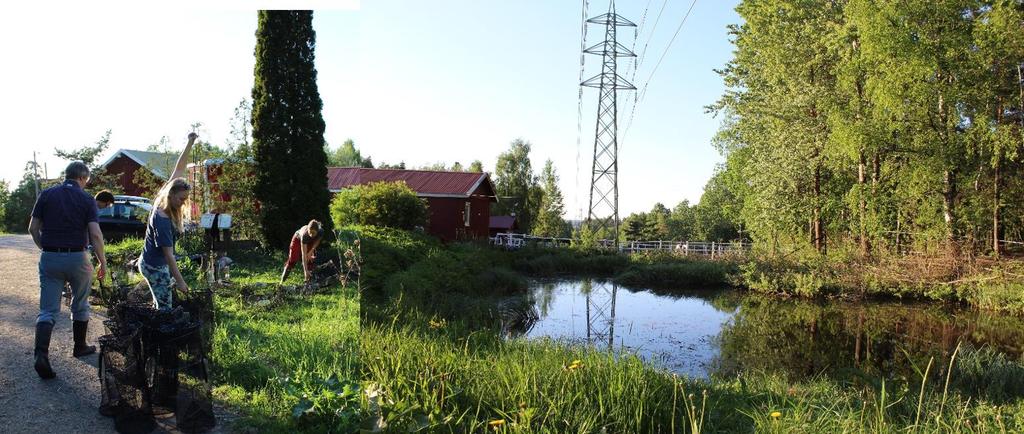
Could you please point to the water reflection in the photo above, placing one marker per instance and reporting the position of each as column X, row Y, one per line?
column 707, row 332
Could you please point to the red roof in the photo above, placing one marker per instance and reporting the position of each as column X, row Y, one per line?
column 426, row 183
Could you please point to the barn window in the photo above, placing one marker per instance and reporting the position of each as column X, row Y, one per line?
column 465, row 215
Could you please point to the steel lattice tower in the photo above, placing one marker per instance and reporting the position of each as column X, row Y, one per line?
column 604, row 182
column 600, row 297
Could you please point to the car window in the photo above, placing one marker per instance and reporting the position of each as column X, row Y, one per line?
column 139, row 212
column 122, row 211
column 106, row 212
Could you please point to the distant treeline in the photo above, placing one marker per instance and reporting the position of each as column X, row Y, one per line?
column 875, row 123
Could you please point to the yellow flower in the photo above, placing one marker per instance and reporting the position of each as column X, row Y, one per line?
column 776, row 415
column 437, row 324
column 496, row 423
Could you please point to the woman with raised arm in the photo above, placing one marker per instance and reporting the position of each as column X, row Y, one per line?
column 165, row 225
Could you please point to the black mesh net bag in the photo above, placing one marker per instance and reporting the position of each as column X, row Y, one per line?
column 124, row 395
column 154, row 362
column 164, row 331
column 195, row 398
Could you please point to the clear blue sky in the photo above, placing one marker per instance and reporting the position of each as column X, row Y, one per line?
column 412, row 81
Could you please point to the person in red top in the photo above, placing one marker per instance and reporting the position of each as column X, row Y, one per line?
column 303, row 246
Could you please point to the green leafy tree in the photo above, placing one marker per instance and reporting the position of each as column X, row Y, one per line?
column 549, row 218
column 287, row 126
column 237, row 181
column 239, row 142
column 682, row 222
column 387, row 204
column 5, row 196
column 658, row 222
column 476, row 167
column 889, row 124
column 89, row 154
column 713, row 218
column 518, row 191
column 348, row 156
column 18, row 205
column 634, row 227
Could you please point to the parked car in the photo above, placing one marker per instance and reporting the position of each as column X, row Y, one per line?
column 131, row 199
column 125, row 218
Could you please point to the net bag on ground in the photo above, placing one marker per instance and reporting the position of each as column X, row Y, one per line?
column 124, row 394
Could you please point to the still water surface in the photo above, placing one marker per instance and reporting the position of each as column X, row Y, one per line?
column 700, row 333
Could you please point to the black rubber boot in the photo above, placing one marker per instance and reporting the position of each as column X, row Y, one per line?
column 42, row 353
column 80, row 330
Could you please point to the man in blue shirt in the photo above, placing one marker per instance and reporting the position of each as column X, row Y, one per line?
column 63, row 221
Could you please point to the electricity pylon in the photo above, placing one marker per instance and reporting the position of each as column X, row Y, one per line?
column 603, row 213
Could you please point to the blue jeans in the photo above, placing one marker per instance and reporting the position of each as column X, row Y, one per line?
column 56, row 269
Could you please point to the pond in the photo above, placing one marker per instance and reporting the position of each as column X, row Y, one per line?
column 722, row 332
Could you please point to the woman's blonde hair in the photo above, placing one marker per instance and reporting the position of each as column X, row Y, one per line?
column 161, row 202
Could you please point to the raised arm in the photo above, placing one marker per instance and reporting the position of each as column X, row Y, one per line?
column 179, row 167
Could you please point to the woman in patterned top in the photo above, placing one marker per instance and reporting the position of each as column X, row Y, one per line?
column 303, row 246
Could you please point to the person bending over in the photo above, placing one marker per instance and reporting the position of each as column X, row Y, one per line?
column 303, row 246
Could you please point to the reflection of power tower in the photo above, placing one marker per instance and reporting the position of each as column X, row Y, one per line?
column 601, row 312
column 604, row 184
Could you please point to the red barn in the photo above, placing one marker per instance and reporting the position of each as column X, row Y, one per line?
column 459, row 203
column 125, row 162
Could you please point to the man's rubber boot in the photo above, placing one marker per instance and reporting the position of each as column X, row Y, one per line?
column 80, row 329
column 42, row 353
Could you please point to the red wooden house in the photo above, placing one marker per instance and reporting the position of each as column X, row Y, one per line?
column 125, row 162
column 459, row 203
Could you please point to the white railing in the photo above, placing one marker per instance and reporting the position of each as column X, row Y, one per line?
column 706, row 248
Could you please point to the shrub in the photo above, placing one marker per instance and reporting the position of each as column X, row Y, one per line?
column 387, row 251
column 386, row 204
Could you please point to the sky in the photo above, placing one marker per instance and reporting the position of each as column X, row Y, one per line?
column 413, row 81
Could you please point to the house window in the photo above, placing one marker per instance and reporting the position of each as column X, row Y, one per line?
column 465, row 215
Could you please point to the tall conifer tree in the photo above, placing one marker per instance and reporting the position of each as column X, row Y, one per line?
column 287, row 126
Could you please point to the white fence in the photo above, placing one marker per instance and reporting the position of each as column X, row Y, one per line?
column 712, row 248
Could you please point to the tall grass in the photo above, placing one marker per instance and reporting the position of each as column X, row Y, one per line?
column 439, row 380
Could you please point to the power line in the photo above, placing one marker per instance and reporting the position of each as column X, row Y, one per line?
column 643, row 89
column 656, row 20
column 656, row 65
column 631, row 102
column 579, row 96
